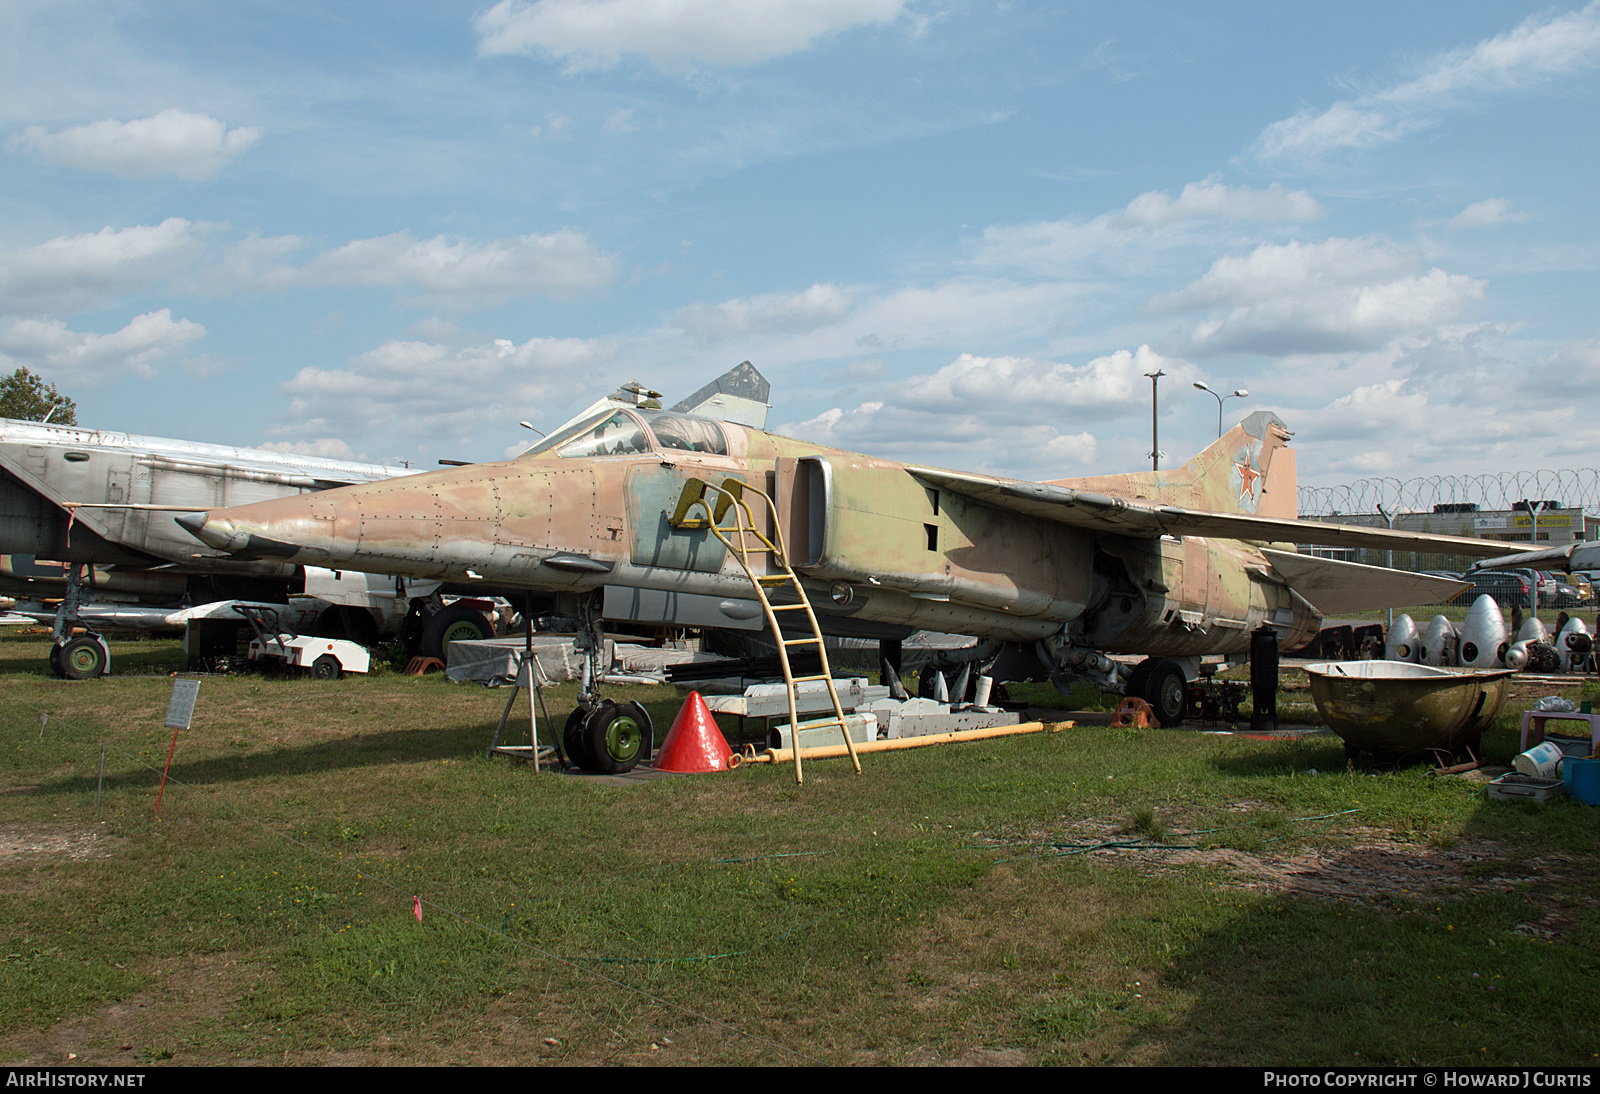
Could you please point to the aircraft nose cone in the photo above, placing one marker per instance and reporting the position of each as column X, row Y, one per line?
column 228, row 535
column 213, row 531
column 193, row 523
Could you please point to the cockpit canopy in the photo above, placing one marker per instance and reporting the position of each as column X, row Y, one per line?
column 630, row 433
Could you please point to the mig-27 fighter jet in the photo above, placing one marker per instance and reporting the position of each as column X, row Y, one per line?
column 614, row 515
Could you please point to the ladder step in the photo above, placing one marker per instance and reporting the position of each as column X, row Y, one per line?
column 772, row 581
column 808, row 679
column 788, row 607
column 801, row 642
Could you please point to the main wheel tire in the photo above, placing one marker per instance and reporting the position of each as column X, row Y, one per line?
column 454, row 624
column 615, row 737
column 326, row 667
column 572, row 741
column 83, row 658
column 1164, row 686
column 56, row 667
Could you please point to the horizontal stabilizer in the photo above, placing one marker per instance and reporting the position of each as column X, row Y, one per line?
column 1335, row 588
column 1121, row 516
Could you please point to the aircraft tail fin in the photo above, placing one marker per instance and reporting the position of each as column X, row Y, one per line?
column 1249, row 469
column 739, row 395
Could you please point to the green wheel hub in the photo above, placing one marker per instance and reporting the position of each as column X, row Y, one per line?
column 623, row 738
column 464, row 631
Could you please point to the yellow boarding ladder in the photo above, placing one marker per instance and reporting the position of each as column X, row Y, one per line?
column 744, row 539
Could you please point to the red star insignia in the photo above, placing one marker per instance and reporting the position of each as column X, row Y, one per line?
column 1248, row 476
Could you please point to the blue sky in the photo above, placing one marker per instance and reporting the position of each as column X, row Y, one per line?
column 950, row 232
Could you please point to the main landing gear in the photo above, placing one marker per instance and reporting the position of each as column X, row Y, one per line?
column 82, row 656
column 1161, row 682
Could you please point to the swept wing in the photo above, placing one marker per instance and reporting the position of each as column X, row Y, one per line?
column 1123, row 516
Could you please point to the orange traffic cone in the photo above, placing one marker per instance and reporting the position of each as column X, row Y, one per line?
column 694, row 744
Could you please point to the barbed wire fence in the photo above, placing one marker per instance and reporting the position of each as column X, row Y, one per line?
column 1573, row 488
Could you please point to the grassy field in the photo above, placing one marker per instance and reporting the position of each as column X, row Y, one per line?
column 1086, row 896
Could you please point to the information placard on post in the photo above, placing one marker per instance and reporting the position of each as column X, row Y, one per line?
column 180, row 710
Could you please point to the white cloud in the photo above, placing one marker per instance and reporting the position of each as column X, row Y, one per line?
column 1275, row 270
column 824, row 323
column 820, row 305
column 957, row 310
column 73, row 273
column 674, row 35
column 966, row 441
column 1539, row 48
column 253, row 264
column 1452, row 403
column 1025, row 388
column 1213, row 198
column 173, row 142
column 448, row 272
column 1341, row 294
column 1150, row 222
column 46, row 346
column 1007, row 415
column 428, row 390
column 1482, row 214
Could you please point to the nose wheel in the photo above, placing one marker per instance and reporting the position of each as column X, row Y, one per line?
column 609, row 738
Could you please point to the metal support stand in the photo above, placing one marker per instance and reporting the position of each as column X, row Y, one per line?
column 530, row 675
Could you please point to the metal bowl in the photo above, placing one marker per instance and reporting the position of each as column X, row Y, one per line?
column 1395, row 708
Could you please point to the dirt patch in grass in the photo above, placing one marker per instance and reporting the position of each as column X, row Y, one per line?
column 148, row 1026
column 1373, row 869
column 1373, row 872
column 26, row 842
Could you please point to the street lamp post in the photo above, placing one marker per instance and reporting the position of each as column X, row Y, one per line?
column 1155, row 435
column 1388, row 560
column 1534, row 509
column 1239, row 394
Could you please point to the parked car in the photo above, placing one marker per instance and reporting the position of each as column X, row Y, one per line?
column 1584, row 587
column 1547, row 588
column 1510, row 588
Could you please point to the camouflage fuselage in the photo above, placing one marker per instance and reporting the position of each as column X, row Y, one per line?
column 878, row 546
